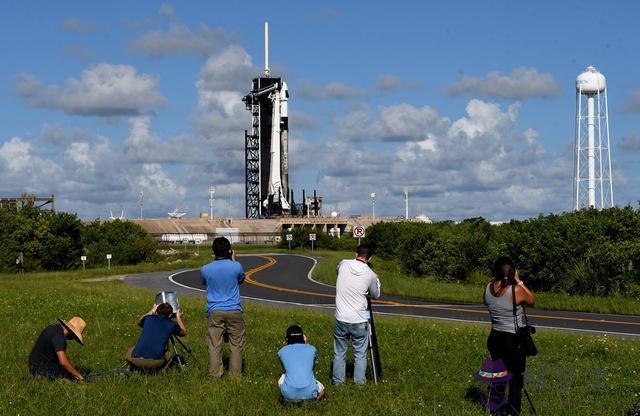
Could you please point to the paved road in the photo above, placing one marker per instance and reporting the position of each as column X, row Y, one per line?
column 286, row 280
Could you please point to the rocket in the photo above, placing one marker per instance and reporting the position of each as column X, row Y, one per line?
column 279, row 166
column 284, row 137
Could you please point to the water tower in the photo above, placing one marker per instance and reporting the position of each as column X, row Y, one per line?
column 593, row 184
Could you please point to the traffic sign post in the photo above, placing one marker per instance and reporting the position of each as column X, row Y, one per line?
column 359, row 232
column 84, row 259
column 289, row 239
column 108, row 261
column 312, row 238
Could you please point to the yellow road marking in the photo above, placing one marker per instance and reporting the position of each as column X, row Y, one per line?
column 271, row 262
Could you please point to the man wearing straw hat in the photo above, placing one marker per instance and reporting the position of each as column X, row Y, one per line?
column 48, row 357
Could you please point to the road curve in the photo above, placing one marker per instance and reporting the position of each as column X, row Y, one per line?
column 286, row 279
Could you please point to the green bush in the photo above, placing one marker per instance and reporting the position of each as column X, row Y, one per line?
column 589, row 252
column 128, row 243
column 56, row 240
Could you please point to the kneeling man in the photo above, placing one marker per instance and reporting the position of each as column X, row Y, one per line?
column 150, row 352
column 298, row 359
column 48, row 357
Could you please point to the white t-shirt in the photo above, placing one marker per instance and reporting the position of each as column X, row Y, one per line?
column 355, row 281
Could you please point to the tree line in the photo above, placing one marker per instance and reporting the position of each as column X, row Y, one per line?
column 589, row 252
column 36, row 240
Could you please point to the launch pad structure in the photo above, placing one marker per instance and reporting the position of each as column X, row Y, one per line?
column 267, row 146
column 20, row 202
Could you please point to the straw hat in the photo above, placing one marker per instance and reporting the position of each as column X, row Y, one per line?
column 76, row 326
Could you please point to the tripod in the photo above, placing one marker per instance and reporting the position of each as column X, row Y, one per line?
column 185, row 348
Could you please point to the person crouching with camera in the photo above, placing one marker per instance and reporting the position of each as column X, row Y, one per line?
column 150, row 352
column 298, row 358
column 505, row 297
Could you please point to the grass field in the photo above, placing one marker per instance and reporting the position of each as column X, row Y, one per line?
column 428, row 365
column 395, row 282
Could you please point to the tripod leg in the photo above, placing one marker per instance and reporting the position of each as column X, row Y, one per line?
column 526, row 393
column 374, row 370
column 176, row 355
column 187, row 349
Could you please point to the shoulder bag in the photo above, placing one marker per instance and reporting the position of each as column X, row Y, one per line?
column 524, row 338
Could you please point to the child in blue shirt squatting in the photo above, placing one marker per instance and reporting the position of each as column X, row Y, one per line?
column 298, row 359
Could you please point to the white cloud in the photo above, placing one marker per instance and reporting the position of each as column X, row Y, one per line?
column 387, row 83
column 629, row 144
column 158, row 185
column 76, row 25
column 222, row 82
column 521, row 83
column 24, row 170
column 633, row 102
column 60, row 135
column 88, row 177
column 396, row 123
column 179, row 39
column 142, row 145
column 103, row 90
column 333, row 90
column 480, row 164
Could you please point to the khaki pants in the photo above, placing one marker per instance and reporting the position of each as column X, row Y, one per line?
column 147, row 364
column 231, row 322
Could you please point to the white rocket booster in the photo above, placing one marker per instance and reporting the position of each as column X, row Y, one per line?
column 284, row 137
column 275, row 170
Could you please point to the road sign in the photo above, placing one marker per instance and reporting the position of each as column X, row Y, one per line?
column 358, row 231
column 83, row 258
column 108, row 256
column 312, row 238
column 289, row 237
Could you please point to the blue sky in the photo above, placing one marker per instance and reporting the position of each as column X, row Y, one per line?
column 469, row 104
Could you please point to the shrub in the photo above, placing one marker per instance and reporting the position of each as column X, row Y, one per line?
column 589, row 252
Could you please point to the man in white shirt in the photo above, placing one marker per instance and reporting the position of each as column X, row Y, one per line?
column 355, row 282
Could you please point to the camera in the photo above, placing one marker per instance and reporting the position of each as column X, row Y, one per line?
column 509, row 273
column 169, row 297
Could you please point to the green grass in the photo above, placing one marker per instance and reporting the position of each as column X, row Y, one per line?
column 428, row 365
column 395, row 282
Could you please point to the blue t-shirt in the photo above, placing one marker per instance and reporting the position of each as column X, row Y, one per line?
column 222, row 279
column 299, row 382
column 156, row 330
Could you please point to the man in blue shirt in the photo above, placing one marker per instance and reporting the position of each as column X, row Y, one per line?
column 298, row 359
column 222, row 278
column 150, row 352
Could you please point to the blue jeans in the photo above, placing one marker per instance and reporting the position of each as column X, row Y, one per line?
column 359, row 335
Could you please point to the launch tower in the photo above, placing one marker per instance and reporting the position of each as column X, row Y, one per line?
column 267, row 146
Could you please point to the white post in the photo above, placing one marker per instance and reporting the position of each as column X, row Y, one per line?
column 267, row 72
column 606, row 121
column 591, row 150
column 141, row 203
column 212, row 192
column 406, row 203
column 578, row 150
column 373, row 204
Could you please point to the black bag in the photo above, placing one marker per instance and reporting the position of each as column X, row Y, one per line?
column 524, row 338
